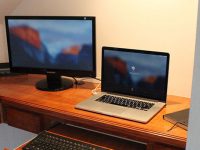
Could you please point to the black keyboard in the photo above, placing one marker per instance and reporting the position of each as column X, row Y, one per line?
column 50, row 141
column 125, row 102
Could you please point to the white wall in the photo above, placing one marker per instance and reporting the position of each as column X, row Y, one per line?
column 160, row 25
column 3, row 45
column 5, row 8
column 193, row 141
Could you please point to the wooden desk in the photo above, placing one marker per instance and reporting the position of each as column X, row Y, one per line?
column 28, row 108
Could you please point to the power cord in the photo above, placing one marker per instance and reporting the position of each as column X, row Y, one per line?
column 81, row 81
column 94, row 91
column 89, row 78
column 97, row 79
column 75, row 81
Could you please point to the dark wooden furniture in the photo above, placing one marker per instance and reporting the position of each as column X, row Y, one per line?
column 27, row 108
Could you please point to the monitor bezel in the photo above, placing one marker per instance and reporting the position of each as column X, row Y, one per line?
column 63, row 72
column 103, row 86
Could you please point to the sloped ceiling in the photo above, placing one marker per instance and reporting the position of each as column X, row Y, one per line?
column 7, row 6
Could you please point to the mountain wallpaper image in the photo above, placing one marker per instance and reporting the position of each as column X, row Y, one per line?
column 51, row 44
column 140, row 74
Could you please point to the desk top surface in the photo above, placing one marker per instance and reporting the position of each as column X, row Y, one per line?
column 20, row 90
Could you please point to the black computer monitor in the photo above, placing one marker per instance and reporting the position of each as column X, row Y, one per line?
column 52, row 45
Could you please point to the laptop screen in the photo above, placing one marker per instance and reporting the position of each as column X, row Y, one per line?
column 135, row 72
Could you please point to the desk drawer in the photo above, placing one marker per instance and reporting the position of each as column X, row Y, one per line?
column 25, row 120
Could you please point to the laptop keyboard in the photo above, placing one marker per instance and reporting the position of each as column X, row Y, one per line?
column 125, row 102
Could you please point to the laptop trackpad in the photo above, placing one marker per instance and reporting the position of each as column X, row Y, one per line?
column 111, row 110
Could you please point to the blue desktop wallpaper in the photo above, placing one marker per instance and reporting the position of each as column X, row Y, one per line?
column 51, row 44
column 135, row 73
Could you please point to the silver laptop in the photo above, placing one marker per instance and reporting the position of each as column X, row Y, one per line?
column 134, row 84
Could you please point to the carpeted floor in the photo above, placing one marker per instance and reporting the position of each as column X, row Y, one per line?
column 11, row 137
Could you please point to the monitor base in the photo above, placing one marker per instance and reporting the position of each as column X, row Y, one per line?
column 54, row 83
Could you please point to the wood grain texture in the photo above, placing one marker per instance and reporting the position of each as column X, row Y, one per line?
column 20, row 92
column 23, row 120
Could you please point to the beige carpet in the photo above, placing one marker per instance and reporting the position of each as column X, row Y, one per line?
column 11, row 137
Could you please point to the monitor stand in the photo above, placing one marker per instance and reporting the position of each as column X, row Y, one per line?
column 54, row 82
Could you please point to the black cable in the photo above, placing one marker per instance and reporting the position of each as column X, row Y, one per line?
column 75, row 81
column 97, row 79
column 85, row 78
column 81, row 81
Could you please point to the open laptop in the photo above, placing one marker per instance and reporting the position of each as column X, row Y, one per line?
column 134, row 84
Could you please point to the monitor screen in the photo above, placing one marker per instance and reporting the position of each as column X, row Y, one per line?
column 42, row 44
column 52, row 43
column 135, row 72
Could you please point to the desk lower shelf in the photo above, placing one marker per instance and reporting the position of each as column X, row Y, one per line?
column 95, row 138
